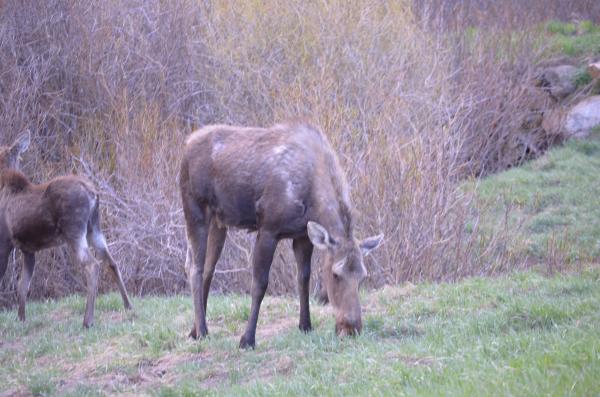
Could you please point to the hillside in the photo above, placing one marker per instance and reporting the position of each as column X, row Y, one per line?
column 553, row 204
column 521, row 334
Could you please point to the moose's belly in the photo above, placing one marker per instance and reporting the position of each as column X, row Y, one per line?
column 34, row 233
column 236, row 211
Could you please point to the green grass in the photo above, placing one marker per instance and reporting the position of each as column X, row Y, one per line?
column 522, row 334
column 574, row 40
column 555, row 200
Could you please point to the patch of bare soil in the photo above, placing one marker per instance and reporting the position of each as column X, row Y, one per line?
column 60, row 315
column 272, row 328
column 148, row 373
column 413, row 361
column 15, row 345
column 14, row 393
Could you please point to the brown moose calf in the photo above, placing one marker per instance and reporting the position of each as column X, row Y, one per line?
column 62, row 211
column 283, row 182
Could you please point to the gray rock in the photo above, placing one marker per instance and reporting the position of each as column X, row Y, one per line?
column 583, row 117
column 594, row 70
column 559, row 81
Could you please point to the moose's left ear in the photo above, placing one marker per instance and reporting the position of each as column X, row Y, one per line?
column 19, row 146
column 370, row 243
column 21, row 143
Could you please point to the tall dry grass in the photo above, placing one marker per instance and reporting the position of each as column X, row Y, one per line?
column 411, row 103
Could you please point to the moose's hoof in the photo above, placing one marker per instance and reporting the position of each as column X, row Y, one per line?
column 247, row 343
column 305, row 327
column 194, row 335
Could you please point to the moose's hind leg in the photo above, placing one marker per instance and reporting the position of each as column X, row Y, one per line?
column 5, row 250
column 96, row 238
column 84, row 258
column 197, row 233
column 216, row 240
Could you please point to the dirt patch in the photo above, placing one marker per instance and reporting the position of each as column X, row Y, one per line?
column 272, row 328
column 62, row 314
column 283, row 365
column 145, row 373
column 15, row 345
column 414, row 361
column 15, row 393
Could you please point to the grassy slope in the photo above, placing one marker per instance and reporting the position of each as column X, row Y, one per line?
column 522, row 334
column 574, row 40
column 555, row 199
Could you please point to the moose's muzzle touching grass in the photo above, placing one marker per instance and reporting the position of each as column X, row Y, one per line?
column 62, row 211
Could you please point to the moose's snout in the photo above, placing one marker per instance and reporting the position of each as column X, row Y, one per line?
column 348, row 326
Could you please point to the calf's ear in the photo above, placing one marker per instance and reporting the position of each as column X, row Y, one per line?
column 19, row 146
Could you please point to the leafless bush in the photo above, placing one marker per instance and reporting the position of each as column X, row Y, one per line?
column 110, row 90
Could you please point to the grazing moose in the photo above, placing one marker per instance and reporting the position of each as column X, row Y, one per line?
column 34, row 217
column 283, row 182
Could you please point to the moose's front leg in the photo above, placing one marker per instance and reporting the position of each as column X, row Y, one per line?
column 303, row 249
column 25, row 281
column 264, row 248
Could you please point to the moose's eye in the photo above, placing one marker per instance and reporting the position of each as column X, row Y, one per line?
column 338, row 270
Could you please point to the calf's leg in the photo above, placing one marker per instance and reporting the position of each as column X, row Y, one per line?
column 5, row 250
column 99, row 243
column 25, row 282
column 85, row 259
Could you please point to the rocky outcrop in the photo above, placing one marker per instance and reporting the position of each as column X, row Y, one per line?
column 558, row 81
column 583, row 118
column 593, row 70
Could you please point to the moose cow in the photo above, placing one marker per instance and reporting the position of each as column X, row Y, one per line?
column 34, row 217
column 283, row 182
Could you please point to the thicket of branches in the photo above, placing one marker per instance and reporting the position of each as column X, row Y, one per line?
column 110, row 90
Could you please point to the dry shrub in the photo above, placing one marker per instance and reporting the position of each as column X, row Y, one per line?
column 111, row 89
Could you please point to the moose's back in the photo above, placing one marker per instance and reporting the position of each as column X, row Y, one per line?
column 242, row 172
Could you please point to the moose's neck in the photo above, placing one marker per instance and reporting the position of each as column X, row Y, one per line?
column 335, row 217
column 13, row 181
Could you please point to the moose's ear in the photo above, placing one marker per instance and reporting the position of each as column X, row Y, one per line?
column 370, row 243
column 21, row 143
column 19, row 146
column 318, row 236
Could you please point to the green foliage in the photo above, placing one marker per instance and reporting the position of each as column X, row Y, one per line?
column 582, row 78
column 41, row 385
column 561, row 27
column 588, row 26
column 565, row 40
column 521, row 334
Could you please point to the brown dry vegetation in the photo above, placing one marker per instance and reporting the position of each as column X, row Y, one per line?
column 412, row 105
